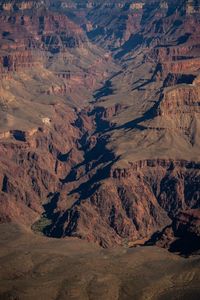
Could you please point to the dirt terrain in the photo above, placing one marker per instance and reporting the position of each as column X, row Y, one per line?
column 35, row 267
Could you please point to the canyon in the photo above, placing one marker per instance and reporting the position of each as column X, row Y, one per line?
column 112, row 163
column 100, row 137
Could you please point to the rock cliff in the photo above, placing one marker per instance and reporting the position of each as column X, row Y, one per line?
column 101, row 144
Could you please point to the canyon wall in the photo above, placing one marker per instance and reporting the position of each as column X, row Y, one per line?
column 112, row 160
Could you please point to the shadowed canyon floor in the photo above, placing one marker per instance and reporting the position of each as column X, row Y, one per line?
column 34, row 267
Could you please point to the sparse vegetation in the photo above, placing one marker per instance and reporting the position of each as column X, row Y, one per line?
column 41, row 224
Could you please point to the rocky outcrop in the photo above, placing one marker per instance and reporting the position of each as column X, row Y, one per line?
column 180, row 99
column 11, row 6
column 187, row 223
column 183, row 236
column 44, row 55
column 105, row 30
column 181, row 67
column 40, row 38
column 33, row 167
column 120, row 173
column 121, row 205
column 115, row 214
column 45, row 35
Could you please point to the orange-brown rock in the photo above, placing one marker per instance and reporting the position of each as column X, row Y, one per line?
column 183, row 236
column 33, row 166
column 112, row 166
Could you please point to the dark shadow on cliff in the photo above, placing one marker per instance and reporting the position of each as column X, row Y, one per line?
column 134, row 41
column 87, row 188
column 106, row 90
column 185, row 245
column 44, row 224
column 93, row 157
column 51, row 205
column 135, row 124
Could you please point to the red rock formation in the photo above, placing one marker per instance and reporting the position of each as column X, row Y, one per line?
column 34, row 34
column 34, row 165
column 67, row 169
column 108, row 29
column 188, row 222
column 180, row 99
column 183, row 236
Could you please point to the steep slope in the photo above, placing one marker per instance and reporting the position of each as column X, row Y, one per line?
column 117, row 168
column 149, row 116
column 48, row 70
column 109, row 24
column 49, row 54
